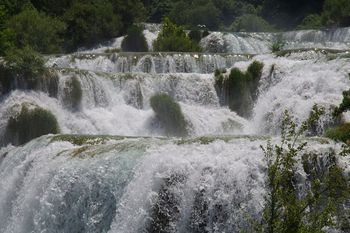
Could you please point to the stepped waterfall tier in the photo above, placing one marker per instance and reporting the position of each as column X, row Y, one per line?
column 111, row 165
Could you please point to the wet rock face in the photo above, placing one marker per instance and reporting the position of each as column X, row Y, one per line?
column 72, row 93
column 214, row 43
column 166, row 211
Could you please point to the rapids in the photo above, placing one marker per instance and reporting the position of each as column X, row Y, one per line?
column 87, row 180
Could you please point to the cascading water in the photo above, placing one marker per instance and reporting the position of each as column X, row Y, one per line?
column 257, row 43
column 213, row 181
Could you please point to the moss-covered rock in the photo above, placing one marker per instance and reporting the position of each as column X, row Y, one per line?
column 13, row 78
column 239, row 89
column 30, row 124
column 169, row 113
column 72, row 93
column 340, row 133
column 345, row 104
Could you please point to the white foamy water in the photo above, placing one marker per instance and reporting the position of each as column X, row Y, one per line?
column 208, row 184
column 126, row 185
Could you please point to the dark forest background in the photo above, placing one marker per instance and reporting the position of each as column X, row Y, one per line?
column 55, row 26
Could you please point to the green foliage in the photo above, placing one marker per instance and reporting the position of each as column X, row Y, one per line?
column 340, row 133
column 239, row 89
column 287, row 210
column 336, row 13
column 30, row 124
column 313, row 21
column 158, row 9
column 345, row 104
column 169, row 114
column 52, row 7
column 72, row 93
column 277, row 46
column 286, row 14
column 89, row 22
column 251, row 23
column 135, row 41
column 195, row 13
column 37, row 30
column 173, row 38
column 25, row 64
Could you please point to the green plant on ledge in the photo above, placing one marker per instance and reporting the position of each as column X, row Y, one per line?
column 169, row 114
column 287, row 209
column 30, row 124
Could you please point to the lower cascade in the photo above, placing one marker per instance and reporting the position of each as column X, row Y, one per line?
column 113, row 164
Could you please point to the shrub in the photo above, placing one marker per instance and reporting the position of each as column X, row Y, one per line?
column 135, row 41
column 37, row 30
column 169, row 114
column 336, row 13
column 173, row 38
column 340, row 133
column 25, row 64
column 277, row 46
column 239, row 89
column 30, row 124
column 251, row 23
column 288, row 206
column 345, row 104
column 72, row 93
column 312, row 21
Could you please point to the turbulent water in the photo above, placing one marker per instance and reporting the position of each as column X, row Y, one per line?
column 142, row 181
column 257, row 43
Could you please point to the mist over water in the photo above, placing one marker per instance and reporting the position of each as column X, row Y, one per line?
column 209, row 182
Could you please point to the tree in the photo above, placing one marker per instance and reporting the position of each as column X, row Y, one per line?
column 173, row 38
column 251, row 23
column 25, row 64
column 336, row 13
column 90, row 22
column 129, row 12
column 37, row 30
column 52, row 7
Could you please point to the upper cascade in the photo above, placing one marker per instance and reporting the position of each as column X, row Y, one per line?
column 147, row 62
column 255, row 42
column 118, row 103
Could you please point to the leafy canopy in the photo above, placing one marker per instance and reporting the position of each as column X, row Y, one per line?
column 173, row 38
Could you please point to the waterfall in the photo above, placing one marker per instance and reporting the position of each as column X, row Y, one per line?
column 147, row 63
column 87, row 179
column 128, row 185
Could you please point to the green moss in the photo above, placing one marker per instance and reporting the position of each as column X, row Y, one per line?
column 340, row 133
column 345, row 104
column 85, row 139
column 239, row 89
column 255, row 72
column 112, row 50
column 73, row 93
column 169, row 114
column 204, row 140
column 30, row 124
